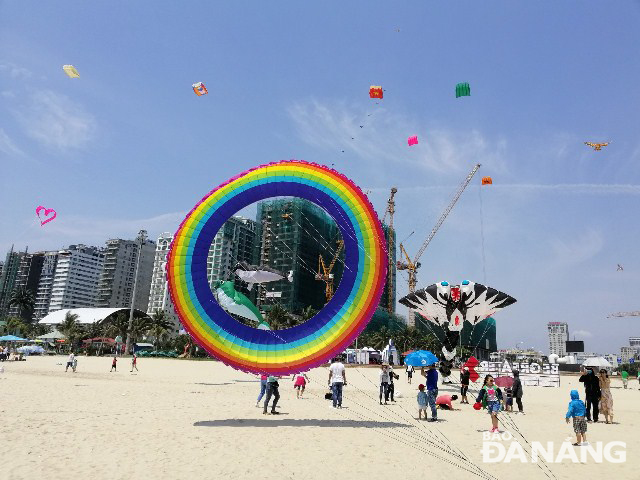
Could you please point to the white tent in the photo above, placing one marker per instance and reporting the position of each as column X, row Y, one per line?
column 51, row 336
column 599, row 362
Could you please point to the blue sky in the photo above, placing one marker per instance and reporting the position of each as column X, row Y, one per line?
column 128, row 145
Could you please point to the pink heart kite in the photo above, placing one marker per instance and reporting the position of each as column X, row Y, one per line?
column 412, row 140
column 47, row 212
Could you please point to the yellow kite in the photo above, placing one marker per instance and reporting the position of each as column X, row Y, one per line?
column 71, row 71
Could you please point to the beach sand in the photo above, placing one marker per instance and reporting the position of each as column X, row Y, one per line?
column 198, row 420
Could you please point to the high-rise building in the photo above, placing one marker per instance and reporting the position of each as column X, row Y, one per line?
column 293, row 233
column 634, row 342
column 115, row 287
column 558, row 336
column 8, row 278
column 235, row 242
column 159, row 298
column 43, row 294
column 27, row 278
column 627, row 353
column 75, row 281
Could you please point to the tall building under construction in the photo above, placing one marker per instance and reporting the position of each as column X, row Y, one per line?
column 293, row 233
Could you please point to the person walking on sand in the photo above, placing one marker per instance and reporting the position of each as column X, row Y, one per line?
column 606, row 399
column 422, row 402
column 517, row 392
column 300, row 381
column 114, row 364
column 625, row 378
column 134, row 363
column 70, row 360
column 409, row 371
column 337, row 380
column 384, row 383
column 392, row 376
column 272, row 390
column 263, row 388
column 465, row 375
column 432, row 390
column 592, row 392
column 577, row 411
column 490, row 397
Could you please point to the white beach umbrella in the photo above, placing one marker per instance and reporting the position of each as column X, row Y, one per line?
column 599, row 362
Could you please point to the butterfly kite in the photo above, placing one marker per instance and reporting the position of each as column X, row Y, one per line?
column 449, row 306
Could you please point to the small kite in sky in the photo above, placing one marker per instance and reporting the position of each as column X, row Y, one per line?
column 257, row 274
column 199, row 89
column 487, row 181
column 375, row 91
column 412, row 140
column 47, row 212
column 596, row 146
column 619, row 269
column 463, row 90
column 71, row 71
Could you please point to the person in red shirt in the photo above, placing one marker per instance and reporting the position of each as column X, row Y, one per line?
column 443, row 402
column 114, row 364
column 134, row 362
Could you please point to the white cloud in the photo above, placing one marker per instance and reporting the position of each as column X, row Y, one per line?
column 7, row 146
column 583, row 333
column 380, row 136
column 577, row 250
column 56, row 121
column 14, row 71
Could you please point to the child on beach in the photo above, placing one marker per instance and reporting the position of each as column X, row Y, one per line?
column 422, row 402
column 509, row 403
column 490, row 397
column 300, row 380
column 465, row 375
column 114, row 364
column 409, row 371
column 625, row 378
column 577, row 410
column 134, row 362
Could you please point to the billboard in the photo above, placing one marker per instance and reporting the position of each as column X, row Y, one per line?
column 575, row 346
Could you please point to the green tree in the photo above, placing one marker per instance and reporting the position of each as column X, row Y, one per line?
column 16, row 326
column 24, row 299
column 279, row 318
column 161, row 325
column 117, row 326
column 308, row 312
column 140, row 328
column 71, row 329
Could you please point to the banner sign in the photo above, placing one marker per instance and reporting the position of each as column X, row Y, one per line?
column 532, row 374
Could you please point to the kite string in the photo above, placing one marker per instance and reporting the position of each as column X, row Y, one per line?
column 484, row 269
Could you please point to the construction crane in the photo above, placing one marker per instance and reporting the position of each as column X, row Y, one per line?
column 324, row 272
column 391, row 209
column 411, row 266
column 625, row 314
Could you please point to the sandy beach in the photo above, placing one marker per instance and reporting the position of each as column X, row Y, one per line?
column 198, row 419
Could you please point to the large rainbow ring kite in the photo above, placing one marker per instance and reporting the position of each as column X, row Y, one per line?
column 330, row 331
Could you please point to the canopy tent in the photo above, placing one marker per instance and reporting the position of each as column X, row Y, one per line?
column 87, row 316
column 51, row 336
column 599, row 362
column 12, row 338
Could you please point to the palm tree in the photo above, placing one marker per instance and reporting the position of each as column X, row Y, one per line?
column 16, row 326
column 279, row 318
column 70, row 328
column 116, row 326
column 308, row 312
column 160, row 325
column 139, row 328
column 24, row 299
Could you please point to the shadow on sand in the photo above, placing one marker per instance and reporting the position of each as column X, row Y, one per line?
column 292, row 422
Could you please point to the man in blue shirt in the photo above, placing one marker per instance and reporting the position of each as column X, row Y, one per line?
column 432, row 390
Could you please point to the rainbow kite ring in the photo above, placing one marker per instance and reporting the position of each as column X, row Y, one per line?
column 331, row 330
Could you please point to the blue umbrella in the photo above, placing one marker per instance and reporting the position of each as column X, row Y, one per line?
column 421, row 358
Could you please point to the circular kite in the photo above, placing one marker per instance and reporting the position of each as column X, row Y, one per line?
column 332, row 329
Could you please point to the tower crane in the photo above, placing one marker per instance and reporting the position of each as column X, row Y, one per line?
column 411, row 266
column 625, row 314
column 324, row 272
column 391, row 209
